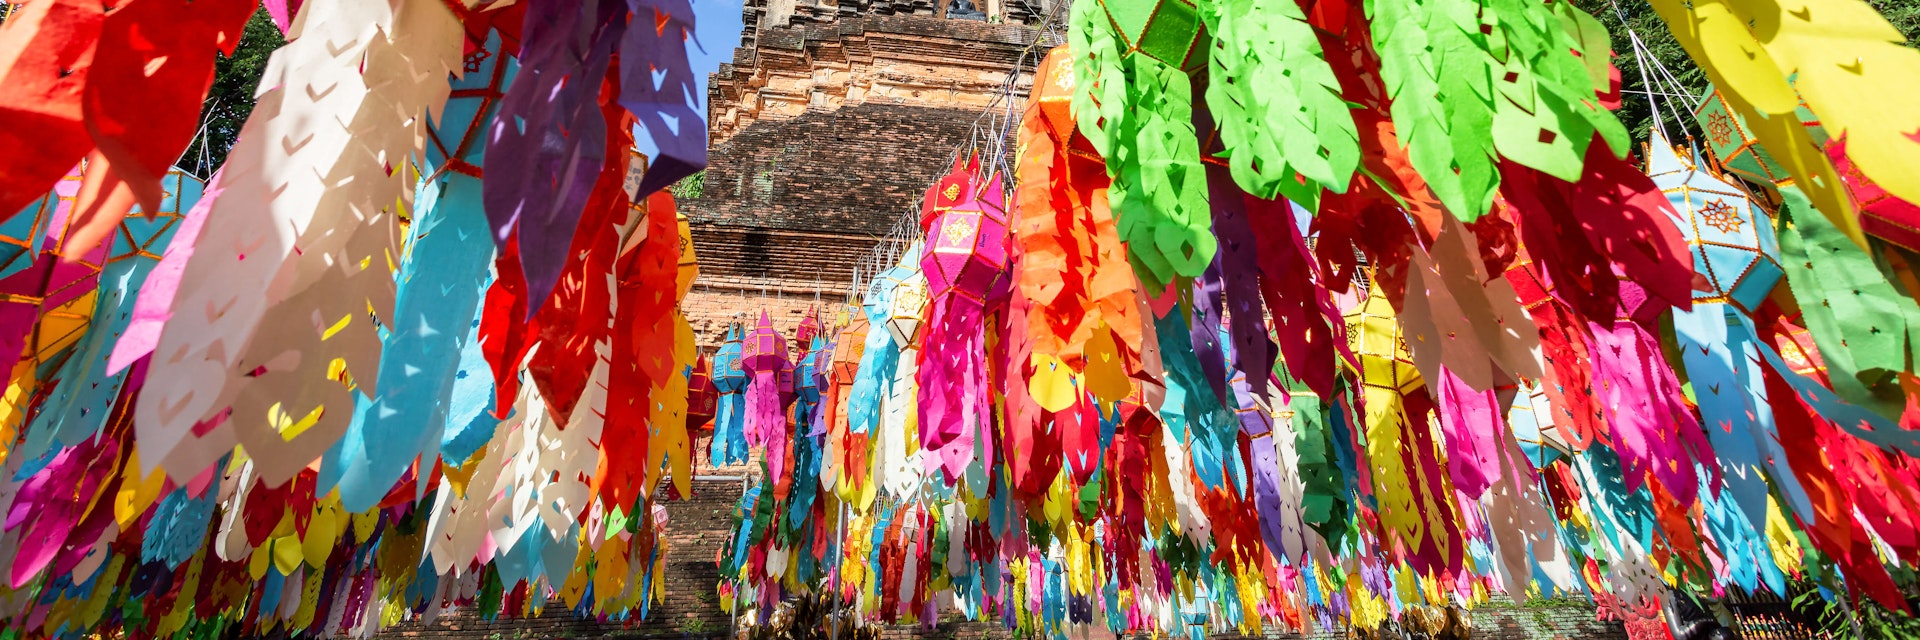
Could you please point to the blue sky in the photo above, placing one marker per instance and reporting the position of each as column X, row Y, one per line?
column 717, row 29
column 717, row 24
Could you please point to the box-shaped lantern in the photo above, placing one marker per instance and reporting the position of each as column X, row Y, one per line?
column 967, row 243
column 147, row 232
column 909, row 301
column 847, row 350
column 949, row 191
column 809, row 327
column 702, row 398
column 908, row 305
column 689, row 261
column 1732, row 239
column 765, row 349
column 1167, row 30
column 1375, row 335
column 1881, row 214
column 806, row 381
column 1733, row 143
column 820, row 362
column 728, row 376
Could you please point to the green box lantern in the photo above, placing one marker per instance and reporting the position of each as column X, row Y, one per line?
column 1733, row 143
column 1167, row 30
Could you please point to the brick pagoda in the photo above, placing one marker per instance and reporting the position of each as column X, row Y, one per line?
column 826, row 129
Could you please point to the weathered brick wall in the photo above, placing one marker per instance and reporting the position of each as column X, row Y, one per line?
column 848, row 172
column 793, row 58
column 712, row 305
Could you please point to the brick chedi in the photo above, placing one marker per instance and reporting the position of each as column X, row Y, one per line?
column 827, row 127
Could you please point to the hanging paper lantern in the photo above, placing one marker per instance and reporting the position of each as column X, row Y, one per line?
column 808, row 328
column 966, row 230
column 967, row 237
column 1168, row 30
column 881, row 356
column 845, row 453
column 1734, row 248
column 1731, row 238
column 806, row 388
column 908, row 305
column 1735, row 146
column 730, row 381
column 847, row 349
column 763, row 356
column 689, row 262
column 702, row 396
column 1416, row 503
column 1882, row 214
column 820, row 360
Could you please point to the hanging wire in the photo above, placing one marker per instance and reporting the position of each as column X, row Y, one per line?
column 1659, row 84
column 989, row 132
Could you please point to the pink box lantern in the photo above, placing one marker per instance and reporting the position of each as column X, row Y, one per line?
column 967, row 241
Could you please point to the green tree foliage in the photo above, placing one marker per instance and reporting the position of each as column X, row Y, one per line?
column 1622, row 16
column 692, row 186
column 231, row 98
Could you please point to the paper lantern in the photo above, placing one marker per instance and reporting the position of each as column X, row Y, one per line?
column 808, row 328
column 847, row 349
column 820, row 362
column 968, row 239
column 966, row 231
column 1374, row 334
column 764, row 356
column 1733, row 143
column 1881, row 214
column 909, row 304
column 727, row 372
column 1168, row 30
column 807, row 383
column 702, row 396
column 730, row 385
column 689, row 261
column 806, row 378
column 764, row 350
column 1732, row 238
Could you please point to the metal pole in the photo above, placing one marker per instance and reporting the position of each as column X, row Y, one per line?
column 840, row 525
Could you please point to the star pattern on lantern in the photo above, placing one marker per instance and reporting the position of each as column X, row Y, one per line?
column 959, row 230
column 1720, row 128
column 1737, row 258
column 1720, row 215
